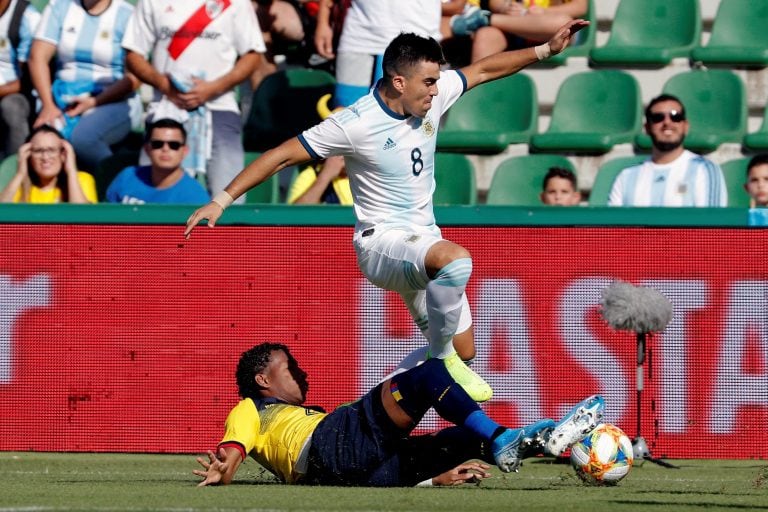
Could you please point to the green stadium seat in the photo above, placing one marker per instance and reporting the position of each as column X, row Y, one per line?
column 606, row 174
column 518, row 180
column 593, row 111
column 455, row 178
column 716, row 105
column 583, row 43
column 738, row 37
column 284, row 105
column 7, row 170
column 735, row 174
column 758, row 141
column 487, row 119
column 650, row 33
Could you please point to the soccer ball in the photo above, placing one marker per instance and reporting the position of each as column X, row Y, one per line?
column 603, row 457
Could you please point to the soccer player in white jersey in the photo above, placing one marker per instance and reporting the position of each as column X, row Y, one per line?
column 16, row 31
column 673, row 176
column 388, row 142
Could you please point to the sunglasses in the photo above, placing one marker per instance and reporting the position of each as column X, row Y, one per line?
column 674, row 115
column 173, row 144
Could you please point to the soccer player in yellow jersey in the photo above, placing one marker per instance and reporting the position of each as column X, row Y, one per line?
column 368, row 442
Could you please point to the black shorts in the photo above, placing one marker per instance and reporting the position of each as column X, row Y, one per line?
column 359, row 445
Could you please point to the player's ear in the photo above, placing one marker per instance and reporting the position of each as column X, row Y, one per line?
column 261, row 380
column 398, row 82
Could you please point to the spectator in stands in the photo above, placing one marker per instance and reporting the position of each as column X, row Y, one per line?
column 284, row 28
column 757, row 181
column 369, row 26
column 18, row 21
column 164, row 181
column 505, row 24
column 46, row 172
column 673, row 176
column 200, row 50
column 90, row 98
column 322, row 183
column 559, row 188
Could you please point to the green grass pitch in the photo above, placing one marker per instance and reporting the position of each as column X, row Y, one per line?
column 111, row 482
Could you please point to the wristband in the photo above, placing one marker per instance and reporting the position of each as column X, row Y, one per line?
column 223, row 199
column 543, row 51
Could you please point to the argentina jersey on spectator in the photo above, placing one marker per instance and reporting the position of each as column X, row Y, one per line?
column 10, row 56
column 88, row 47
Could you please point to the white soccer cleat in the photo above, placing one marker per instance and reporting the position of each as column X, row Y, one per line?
column 580, row 421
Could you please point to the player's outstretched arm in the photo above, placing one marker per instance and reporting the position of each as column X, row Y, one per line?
column 218, row 469
column 506, row 63
column 289, row 153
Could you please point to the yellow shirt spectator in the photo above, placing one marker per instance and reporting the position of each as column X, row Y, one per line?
column 46, row 196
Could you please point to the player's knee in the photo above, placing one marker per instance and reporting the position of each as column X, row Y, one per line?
column 456, row 273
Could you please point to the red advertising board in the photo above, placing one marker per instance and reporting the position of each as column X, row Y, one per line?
column 125, row 338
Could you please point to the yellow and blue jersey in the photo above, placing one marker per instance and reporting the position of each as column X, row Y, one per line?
column 272, row 432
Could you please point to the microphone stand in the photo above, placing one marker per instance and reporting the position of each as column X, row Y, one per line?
column 639, row 446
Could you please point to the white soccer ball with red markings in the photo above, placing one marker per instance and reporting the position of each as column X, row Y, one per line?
column 604, row 457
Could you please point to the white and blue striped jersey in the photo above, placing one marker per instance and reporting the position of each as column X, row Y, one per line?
column 9, row 56
column 690, row 180
column 87, row 47
column 389, row 157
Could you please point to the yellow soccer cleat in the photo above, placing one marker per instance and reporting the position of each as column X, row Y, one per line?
column 477, row 389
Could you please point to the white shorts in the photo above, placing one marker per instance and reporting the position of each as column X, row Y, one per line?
column 393, row 259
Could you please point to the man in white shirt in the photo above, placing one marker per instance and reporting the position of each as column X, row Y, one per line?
column 673, row 176
column 388, row 141
column 212, row 45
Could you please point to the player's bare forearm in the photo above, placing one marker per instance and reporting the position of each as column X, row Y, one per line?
column 507, row 63
column 289, row 153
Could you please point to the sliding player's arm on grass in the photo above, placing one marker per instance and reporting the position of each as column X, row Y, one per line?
column 220, row 468
column 290, row 152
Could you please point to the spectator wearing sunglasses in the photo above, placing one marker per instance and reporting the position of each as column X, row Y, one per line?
column 164, row 181
column 673, row 176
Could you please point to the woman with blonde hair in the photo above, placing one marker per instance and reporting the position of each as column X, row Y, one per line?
column 46, row 172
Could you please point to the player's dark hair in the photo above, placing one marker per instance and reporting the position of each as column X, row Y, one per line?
column 759, row 159
column 559, row 172
column 661, row 98
column 408, row 49
column 62, row 182
column 166, row 123
column 252, row 362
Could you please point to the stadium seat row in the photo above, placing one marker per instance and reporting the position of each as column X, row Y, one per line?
column 595, row 110
column 650, row 33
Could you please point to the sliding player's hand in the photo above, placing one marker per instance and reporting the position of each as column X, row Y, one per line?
column 215, row 468
column 467, row 473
